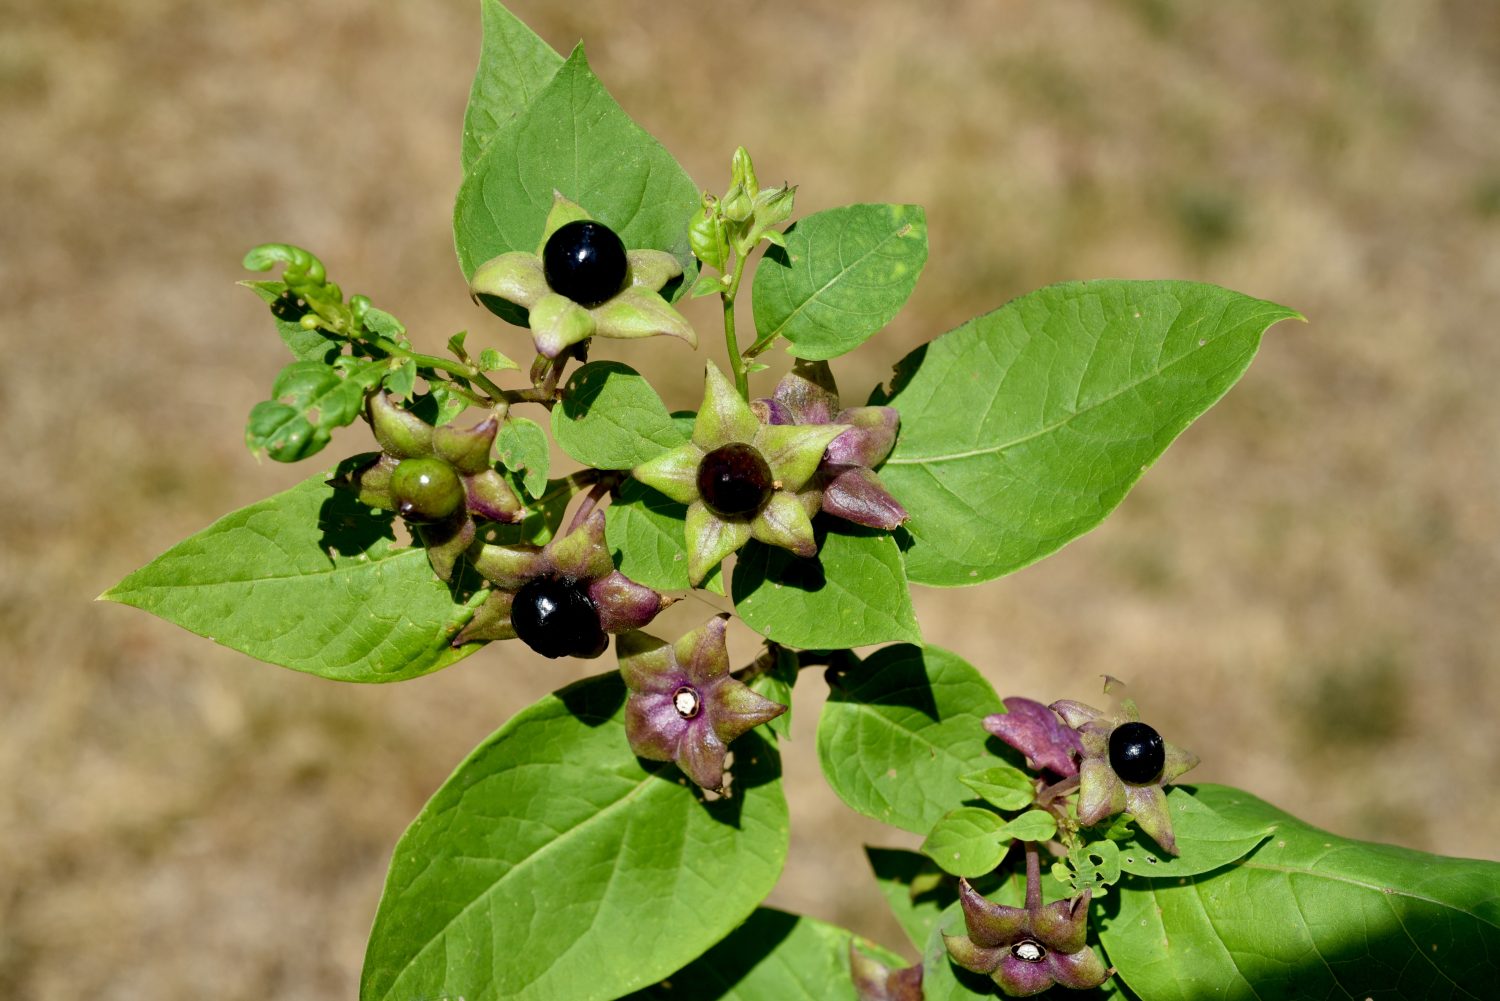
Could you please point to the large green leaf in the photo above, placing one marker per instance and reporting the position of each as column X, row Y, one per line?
column 916, row 889
column 611, row 418
column 1205, row 840
column 1310, row 915
column 556, row 864
column 311, row 580
column 646, row 535
column 573, row 138
column 852, row 594
column 900, row 731
column 1022, row 429
column 843, row 275
column 774, row 956
column 514, row 66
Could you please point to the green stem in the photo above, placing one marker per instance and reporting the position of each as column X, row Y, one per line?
column 463, row 371
column 741, row 376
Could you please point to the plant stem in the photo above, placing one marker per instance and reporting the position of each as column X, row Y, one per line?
column 741, row 377
column 602, row 487
column 1033, row 878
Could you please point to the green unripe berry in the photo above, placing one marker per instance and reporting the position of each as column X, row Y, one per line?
column 426, row 490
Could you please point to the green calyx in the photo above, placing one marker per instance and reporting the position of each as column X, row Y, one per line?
column 557, row 322
column 790, row 454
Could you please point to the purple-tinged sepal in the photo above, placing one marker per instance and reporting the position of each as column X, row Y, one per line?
column 1035, row 731
column 874, row 981
column 684, row 706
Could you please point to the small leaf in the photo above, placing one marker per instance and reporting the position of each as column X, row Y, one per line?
column 491, row 360
column 1093, row 866
column 645, row 530
column 900, row 731
column 514, row 66
column 913, row 885
column 844, row 273
column 380, row 322
column 309, row 400
column 522, row 447
column 550, row 842
column 1205, row 840
column 707, row 285
column 305, row 345
column 1002, row 786
column 968, row 841
column 573, row 138
column 776, row 685
column 774, row 956
column 1309, row 915
column 1024, row 428
column 310, row 580
column 852, row 594
column 611, row 418
column 401, row 381
column 1033, row 825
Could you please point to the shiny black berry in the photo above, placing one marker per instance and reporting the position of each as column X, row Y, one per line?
column 584, row 261
column 734, row 481
column 1136, row 752
column 426, row 490
column 557, row 618
column 289, row 307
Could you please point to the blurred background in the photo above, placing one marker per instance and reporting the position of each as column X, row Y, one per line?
column 1304, row 590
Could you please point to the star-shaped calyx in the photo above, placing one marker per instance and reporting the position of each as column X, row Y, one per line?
column 845, row 485
column 1035, row 731
column 438, row 478
column 739, row 478
column 1125, row 765
column 1026, row 950
column 563, row 599
column 583, row 283
column 684, row 706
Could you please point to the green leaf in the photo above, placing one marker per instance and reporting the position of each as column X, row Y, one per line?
column 611, row 418
column 900, row 731
column 1310, row 915
column 543, row 518
column 491, row 360
column 1002, row 786
column 522, row 448
column 774, row 956
column 916, row 889
column 528, row 873
column 1205, row 840
column 1022, row 429
column 969, row 841
column 514, row 66
column 645, row 532
column 311, row 580
column 380, row 322
column 1033, row 825
column 853, row 594
column 776, row 685
column 401, row 381
column 1093, row 866
column 305, row 345
column 844, row 274
column 573, row 138
column 308, row 401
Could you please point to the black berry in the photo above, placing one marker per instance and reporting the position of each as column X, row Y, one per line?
column 734, row 481
column 1136, row 752
column 584, row 261
column 289, row 307
column 426, row 490
column 557, row 618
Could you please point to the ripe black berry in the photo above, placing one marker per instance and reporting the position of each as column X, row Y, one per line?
column 557, row 618
column 289, row 307
column 584, row 261
column 1136, row 752
column 734, row 481
column 426, row 490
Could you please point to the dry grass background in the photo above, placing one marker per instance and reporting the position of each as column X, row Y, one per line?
column 1305, row 590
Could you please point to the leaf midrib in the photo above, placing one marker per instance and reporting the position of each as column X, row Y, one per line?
column 113, row 593
column 897, row 460
column 895, row 234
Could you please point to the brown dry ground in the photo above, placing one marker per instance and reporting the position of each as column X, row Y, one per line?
column 1304, row 590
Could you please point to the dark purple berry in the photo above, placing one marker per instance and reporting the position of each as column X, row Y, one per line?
column 289, row 307
column 1136, row 752
column 557, row 618
column 734, row 481
column 584, row 261
column 426, row 490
